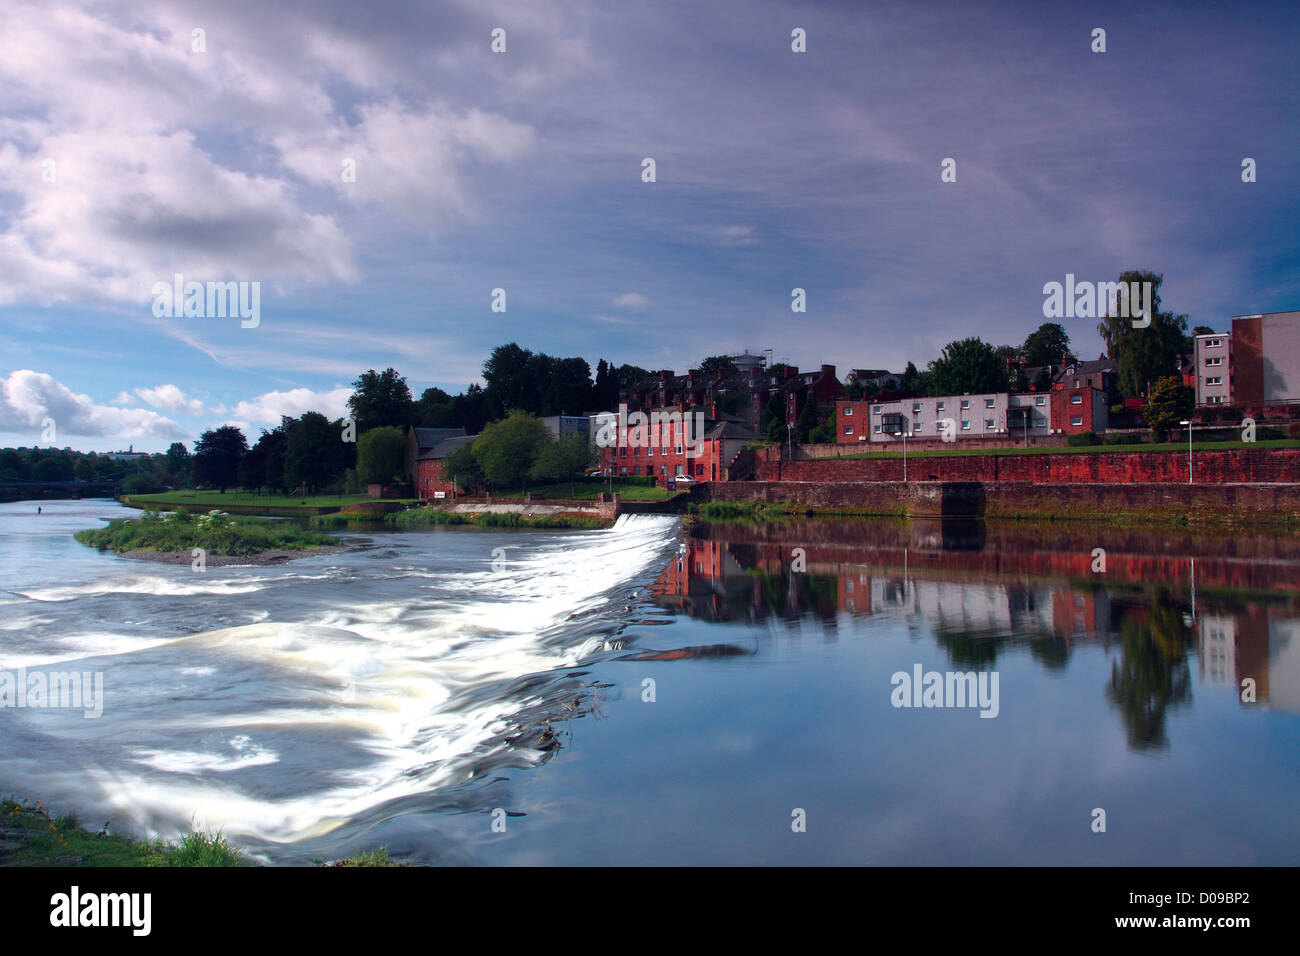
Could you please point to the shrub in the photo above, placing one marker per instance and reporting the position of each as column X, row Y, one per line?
column 1293, row 430
column 1122, row 440
column 1082, row 438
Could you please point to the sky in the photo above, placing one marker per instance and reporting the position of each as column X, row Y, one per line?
column 133, row 149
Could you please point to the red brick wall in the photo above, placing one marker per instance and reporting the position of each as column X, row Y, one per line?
column 1267, row 465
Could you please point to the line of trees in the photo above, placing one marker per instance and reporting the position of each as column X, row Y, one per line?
column 153, row 472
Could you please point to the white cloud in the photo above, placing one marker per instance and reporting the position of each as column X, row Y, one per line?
column 631, row 300
column 27, row 398
column 170, row 399
column 270, row 406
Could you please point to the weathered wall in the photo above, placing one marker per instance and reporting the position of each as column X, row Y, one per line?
column 1209, row 467
column 1013, row 498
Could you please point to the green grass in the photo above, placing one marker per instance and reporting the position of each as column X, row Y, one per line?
column 588, row 491
column 216, row 534
column 377, row 857
column 426, row 517
column 1075, row 450
column 47, row 841
column 215, row 499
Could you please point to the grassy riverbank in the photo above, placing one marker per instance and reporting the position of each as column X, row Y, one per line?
column 429, row 517
column 29, row 836
column 215, row 533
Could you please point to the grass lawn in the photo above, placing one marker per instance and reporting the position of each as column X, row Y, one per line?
column 959, row 452
column 215, row 499
column 589, row 490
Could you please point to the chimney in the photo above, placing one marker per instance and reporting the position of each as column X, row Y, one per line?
column 665, row 374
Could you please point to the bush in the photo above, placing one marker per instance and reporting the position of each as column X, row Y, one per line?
column 1122, row 440
column 1293, row 430
column 1082, row 438
column 139, row 485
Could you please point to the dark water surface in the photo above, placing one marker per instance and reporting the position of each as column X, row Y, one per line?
column 484, row 696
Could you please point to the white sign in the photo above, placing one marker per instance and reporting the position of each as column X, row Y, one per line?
column 440, row 494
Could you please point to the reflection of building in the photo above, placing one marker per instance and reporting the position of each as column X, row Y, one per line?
column 1257, row 643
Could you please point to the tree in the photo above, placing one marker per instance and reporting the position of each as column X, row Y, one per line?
column 569, row 391
column 380, row 454
column 1171, row 402
column 1144, row 354
column 772, row 422
column 505, row 373
column 217, row 454
column 314, row 454
column 381, row 399
column 1043, row 380
column 710, row 365
column 251, row 473
column 179, row 463
column 435, row 409
column 506, row 448
column 605, row 393
column 563, row 460
column 1019, row 382
column 1202, row 330
column 54, row 468
column 628, row 375
column 462, row 468
column 1047, row 345
column 807, row 420
column 969, row 365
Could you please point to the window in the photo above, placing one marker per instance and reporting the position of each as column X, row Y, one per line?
column 1076, row 420
column 680, row 471
column 965, row 426
column 1040, row 401
column 965, row 403
column 876, row 410
column 916, row 408
column 938, row 406
column 848, row 411
column 988, row 403
column 1216, row 400
column 650, row 452
column 1214, row 380
column 1076, row 383
column 699, row 470
column 1213, row 343
column 1076, row 399
column 988, row 423
column 848, row 429
column 876, row 430
column 1216, row 360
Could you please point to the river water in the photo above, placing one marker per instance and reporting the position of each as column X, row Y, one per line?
column 645, row 695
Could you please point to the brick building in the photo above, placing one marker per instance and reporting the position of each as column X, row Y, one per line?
column 667, row 451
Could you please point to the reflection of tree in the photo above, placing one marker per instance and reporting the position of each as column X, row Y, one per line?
column 786, row 594
column 1152, row 673
column 1051, row 650
column 969, row 648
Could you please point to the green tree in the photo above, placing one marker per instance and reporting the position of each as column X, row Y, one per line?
column 710, row 365
column 1202, row 330
column 807, row 420
column 179, row 462
column 968, row 365
column 1146, row 353
column 563, row 460
column 1018, row 382
column 605, row 393
column 54, row 468
column 380, row 454
column 462, row 467
column 381, row 399
column 217, row 454
column 1171, row 402
column 1047, row 345
column 508, row 379
column 569, row 391
column 506, row 449
column 314, row 454
column 435, row 409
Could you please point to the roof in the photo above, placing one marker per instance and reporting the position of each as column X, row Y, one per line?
column 446, row 447
column 429, row 437
column 1096, row 365
column 729, row 430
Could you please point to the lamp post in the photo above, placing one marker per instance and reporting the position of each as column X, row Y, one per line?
column 904, row 434
column 1188, row 423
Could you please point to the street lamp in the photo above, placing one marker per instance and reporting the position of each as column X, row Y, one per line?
column 903, row 432
column 1188, row 423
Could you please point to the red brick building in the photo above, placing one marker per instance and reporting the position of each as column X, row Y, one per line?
column 660, row 448
column 425, row 450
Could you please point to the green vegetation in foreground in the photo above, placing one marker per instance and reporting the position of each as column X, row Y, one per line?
column 215, row 499
column 1076, row 449
column 424, row 517
column 40, row 840
column 216, row 533
column 378, row 857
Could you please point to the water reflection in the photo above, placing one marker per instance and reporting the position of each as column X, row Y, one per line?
column 985, row 590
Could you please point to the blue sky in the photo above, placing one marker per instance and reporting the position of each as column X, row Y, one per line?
column 522, row 170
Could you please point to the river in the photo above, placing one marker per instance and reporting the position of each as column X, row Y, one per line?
column 641, row 695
